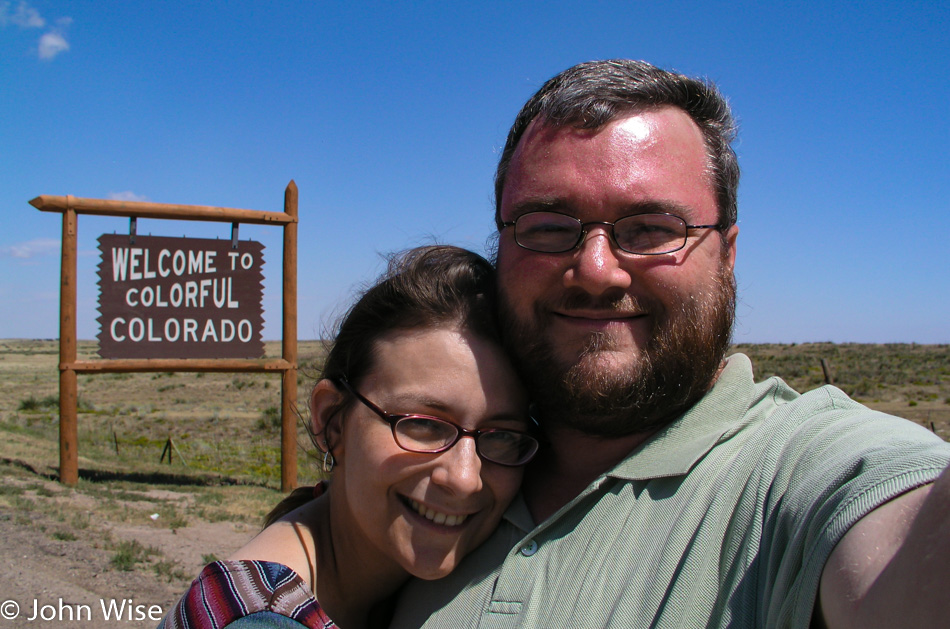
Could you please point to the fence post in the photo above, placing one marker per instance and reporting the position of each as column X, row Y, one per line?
column 827, row 371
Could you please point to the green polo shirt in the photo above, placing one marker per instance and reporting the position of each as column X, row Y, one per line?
column 723, row 519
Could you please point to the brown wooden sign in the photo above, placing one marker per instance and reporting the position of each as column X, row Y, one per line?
column 164, row 297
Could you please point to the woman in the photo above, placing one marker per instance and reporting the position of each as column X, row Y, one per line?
column 421, row 419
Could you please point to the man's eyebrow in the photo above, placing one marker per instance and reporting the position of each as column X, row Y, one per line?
column 544, row 204
column 660, row 207
column 558, row 204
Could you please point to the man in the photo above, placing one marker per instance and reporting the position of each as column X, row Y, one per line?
column 674, row 492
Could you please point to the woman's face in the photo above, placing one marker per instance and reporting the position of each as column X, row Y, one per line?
column 426, row 511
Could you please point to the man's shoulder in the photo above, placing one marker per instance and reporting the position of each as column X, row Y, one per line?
column 778, row 417
column 742, row 403
column 824, row 431
column 773, row 396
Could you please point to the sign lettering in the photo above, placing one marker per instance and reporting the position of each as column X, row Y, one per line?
column 180, row 298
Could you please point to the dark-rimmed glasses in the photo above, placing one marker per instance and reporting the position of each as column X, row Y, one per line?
column 429, row 435
column 643, row 234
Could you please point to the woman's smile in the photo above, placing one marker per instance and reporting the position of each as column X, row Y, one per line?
column 437, row 517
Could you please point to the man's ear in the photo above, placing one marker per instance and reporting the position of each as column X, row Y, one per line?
column 732, row 234
column 326, row 407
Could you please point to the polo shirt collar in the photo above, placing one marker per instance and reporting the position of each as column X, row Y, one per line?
column 675, row 449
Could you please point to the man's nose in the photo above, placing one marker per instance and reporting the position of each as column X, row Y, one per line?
column 597, row 266
column 459, row 469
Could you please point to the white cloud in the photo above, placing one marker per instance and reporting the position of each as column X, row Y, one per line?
column 127, row 195
column 31, row 248
column 25, row 16
column 51, row 44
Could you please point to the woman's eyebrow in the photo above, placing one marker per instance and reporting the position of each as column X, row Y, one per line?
column 519, row 422
column 416, row 403
column 421, row 400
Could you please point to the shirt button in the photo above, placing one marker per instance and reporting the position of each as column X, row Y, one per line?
column 529, row 548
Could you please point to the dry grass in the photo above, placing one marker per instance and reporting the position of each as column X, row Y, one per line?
column 224, row 425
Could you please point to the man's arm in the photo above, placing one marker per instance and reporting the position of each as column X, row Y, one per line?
column 892, row 568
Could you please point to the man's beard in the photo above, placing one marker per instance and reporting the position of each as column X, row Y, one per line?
column 679, row 364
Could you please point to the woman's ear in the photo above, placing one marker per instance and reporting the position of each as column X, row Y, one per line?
column 326, row 407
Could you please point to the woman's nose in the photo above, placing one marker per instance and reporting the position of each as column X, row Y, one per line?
column 459, row 469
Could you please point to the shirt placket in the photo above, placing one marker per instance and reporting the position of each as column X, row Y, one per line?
column 517, row 578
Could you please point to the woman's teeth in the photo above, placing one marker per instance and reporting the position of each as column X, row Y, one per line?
column 439, row 518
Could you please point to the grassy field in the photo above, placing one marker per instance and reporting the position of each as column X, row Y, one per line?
column 907, row 380
column 226, row 426
column 133, row 513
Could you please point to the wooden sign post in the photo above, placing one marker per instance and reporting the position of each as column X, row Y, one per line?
column 119, row 358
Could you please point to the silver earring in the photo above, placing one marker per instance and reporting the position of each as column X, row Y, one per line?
column 328, row 462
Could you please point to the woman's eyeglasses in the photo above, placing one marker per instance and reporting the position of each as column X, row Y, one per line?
column 429, row 435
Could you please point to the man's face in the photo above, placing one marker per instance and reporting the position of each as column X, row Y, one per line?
column 598, row 331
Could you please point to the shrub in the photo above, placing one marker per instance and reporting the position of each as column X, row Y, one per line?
column 270, row 419
column 33, row 404
column 169, row 571
column 29, row 404
column 127, row 554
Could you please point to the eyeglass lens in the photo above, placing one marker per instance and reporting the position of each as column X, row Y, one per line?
column 425, row 434
column 553, row 232
column 431, row 434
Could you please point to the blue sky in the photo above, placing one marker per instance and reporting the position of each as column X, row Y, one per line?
column 390, row 117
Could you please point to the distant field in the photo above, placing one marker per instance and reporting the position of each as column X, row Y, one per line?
column 228, row 424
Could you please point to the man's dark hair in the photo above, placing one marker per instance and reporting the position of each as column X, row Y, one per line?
column 590, row 95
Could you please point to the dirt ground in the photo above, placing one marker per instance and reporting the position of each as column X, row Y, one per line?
column 72, row 582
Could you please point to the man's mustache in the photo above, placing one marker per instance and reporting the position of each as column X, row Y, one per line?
column 619, row 304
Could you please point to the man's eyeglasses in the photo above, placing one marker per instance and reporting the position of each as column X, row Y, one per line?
column 430, row 435
column 643, row 234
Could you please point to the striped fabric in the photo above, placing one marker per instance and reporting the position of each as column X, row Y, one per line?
column 227, row 591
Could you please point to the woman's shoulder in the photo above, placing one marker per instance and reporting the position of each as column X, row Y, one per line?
column 289, row 540
column 227, row 591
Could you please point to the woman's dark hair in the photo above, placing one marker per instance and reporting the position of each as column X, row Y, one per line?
column 425, row 287
column 422, row 288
